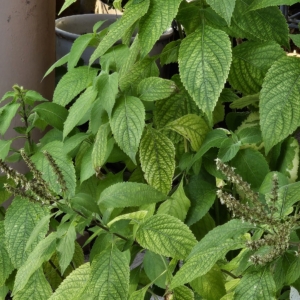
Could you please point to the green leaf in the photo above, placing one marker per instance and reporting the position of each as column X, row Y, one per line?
column 7, row 95
column 4, row 148
column 252, row 166
column 250, row 63
column 78, row 47
column 289, row 159
column 170, row 53
column 204, row 62
column 155, row 267
column 287, row 196
column 214, row 138
column 37, row 288
column 228, row 150
column 295, row 38
column 256, row 285
column 127, row 124
column 192, row 127
column 137, row 216
column 7, row 113
column 107, row 88
column 177, row 206
column 66, row 4
column 154, row 23
column 41, row 226
column 166, row 235
column 41, row 253
column 210, row 249
column 202, row 195
column 99, row 154
column 114, row 58
column 20, row 220
column 66, row 245
column 63, row 60
column 173, row 108
column 74, row 141
column 73, row 83
column 211, row 285
column 54, row 114
column 32, row 96
column 6, row 267
column 224, row 8
column 70, row 291
column 135, row 73
column 86, row 166
column 245, row 101
column 157, row 155
column 56, row 150
column 280, row 118
column 183, row 293
column 267, row 24
column 109, row 277
column 131, row 14
column 250, row 136
column 126, row 194
column 258, row 4
column 79, row 109
column 155, row 88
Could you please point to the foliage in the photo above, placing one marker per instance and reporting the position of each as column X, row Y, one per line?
column 195, row 174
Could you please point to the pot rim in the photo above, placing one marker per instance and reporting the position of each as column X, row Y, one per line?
column 73, row 36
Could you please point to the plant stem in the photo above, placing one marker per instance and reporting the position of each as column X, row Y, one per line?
column 230, row 274
column 56, row 270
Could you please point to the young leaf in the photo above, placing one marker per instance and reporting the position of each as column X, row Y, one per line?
column 137, row 216
column 166, row 235
column 78, row 47
column 7, row 113
column 4, row 148
column 54, row 114
column 170, row 53
column 228, row 149
column 270, row 24
column 202, row 195
column 127, row 124
column 109, row 277
column 66, row 245
column 6, row 267
column 20, row 220
column 107, row 89
column 74, row 141
column 295, row 38
column 99, row 154
column 125, row 194
column 67, row 3
column 155, row 88
column 257, row 285
column 78, row 109
column 155, row 267
column 177, row 206
column 204, row 62
column 135, row 73
column 288, row 195
column 173, row 108
column 192, row 127
column 250, row 63
column 132, row 13
column 280, row 118
column 37, row 288
column 62, row 160
column 73, row 83
column 63, row 60
column 114, row 58
column 70, row 291
column 41, row 253
column 183, row 293
column 244, row 101
column 86, row 166
column 224, row 8
column 154, row 23
column 157, row 155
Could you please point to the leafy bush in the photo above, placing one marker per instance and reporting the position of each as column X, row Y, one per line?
column 138, row 162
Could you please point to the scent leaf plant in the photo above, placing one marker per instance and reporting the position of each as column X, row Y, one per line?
column 186, row 187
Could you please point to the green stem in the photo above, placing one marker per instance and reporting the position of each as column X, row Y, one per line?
column 180, row 30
